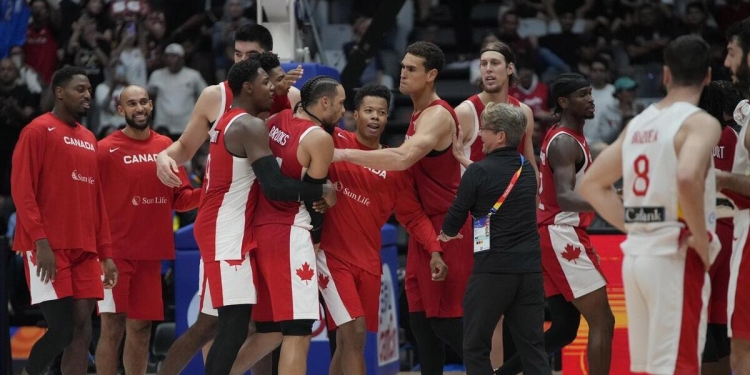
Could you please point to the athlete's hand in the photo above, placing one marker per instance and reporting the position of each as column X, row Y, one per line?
column 438, row 268
column 46, row 268
column 338, row 155
column 721, row 179
column 166, row 170
column 291, row 77
column 700, row 244
column 445, row 238
column 110, row 273
column 329, row 195
column 458, row 148
column 320, row 205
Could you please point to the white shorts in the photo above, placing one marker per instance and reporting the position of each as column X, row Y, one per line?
column 226, row 283
column 666, row 297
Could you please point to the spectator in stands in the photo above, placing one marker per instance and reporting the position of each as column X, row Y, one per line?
column 15, row 23
column 107, row 96
column 696, row 22
column 731, row 12
column 131, row 50
column 90, row 43
column 156, row 27
column 524, row 48
column 603, row 93
column 586, row 54
column 223, row 36
column 41, row 46
column 646, row 38
column 560, row 51
column 16, row 108
column 607, row 18
column 530, row 8
column 556, row 9
column 373, row 73
column 613, row 115
column 27, row 75
column 535, row 94
column 175, row 89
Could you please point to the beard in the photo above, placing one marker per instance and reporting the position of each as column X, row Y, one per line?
column 131, row 122
column 743, row 76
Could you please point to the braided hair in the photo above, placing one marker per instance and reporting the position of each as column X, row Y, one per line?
column 719, row 98
column 566, row 84
column 312, row 91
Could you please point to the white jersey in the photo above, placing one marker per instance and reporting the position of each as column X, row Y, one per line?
column 650, row 195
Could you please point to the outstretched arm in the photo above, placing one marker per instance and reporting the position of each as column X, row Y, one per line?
column 435, row 124
column 196, row 132
column 564, row 153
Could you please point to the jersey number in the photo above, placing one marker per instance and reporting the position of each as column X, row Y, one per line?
column 206, row 176
column 641, row 181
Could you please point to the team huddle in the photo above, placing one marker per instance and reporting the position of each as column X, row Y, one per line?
column 291, row 208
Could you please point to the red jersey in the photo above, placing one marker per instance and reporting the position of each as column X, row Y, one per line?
column 56, row 188
column 140, row 214
column 223, row 228
column 370, row 196
column 474, row 147
column 285, row 133
column 41, row 51
column 549, row 212
column 438, row 174
column 536, row 97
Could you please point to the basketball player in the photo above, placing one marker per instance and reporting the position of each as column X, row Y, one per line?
column 498, row 74
column 349, row 260
column 288, row 235
column 140, row 217
column 719, row 98
column 249, row 40
column 435, row 307
column 738, row 299
column 214, row 101
column 497, row 67
column 667, row 210
column 573, row 280
column 62, row 226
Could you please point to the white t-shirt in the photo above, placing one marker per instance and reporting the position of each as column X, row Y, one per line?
column 176, row 95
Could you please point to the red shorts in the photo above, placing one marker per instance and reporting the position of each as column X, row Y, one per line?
column 138, row 290
column 287, row 276
column 79, row 275
column 566, row 268
column 349, row 292
column 227, row 283
column 738, row 295
column 439, row 299
column 719, row 272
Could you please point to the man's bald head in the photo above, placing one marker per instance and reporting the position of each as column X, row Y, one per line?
column 136, row 107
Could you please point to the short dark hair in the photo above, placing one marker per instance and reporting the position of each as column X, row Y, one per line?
column 740, row 31
column 697, row 5
column 372, row 89
column 432, row 54
column 316, row 88
column 510, row 58
column 241, row 72
column 64, row 75
column 687, row 58
column 269, row 61
column 255, row 33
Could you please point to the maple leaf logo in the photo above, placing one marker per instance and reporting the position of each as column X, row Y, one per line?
column 305, row 273
column 33, row 258
column 571, row 253
column 234, row 263
column 323, row 281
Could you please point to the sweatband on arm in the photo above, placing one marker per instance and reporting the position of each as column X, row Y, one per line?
column 277, row 187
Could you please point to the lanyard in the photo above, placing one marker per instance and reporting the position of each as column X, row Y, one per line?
column 512, row 183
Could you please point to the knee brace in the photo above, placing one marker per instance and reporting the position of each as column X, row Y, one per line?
column 300, row 327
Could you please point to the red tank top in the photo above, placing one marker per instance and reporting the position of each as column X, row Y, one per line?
column 438, row 174
column 285, row 133
column 223, row 226
column 549, row 212
column 723, row 160
column 475, row 148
